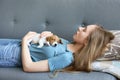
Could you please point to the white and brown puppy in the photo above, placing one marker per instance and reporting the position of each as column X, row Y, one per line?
column 50, row 40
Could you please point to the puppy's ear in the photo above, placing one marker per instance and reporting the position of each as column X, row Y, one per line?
column 48, row 38
column 60, row 41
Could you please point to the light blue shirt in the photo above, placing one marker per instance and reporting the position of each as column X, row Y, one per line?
column 58, row 56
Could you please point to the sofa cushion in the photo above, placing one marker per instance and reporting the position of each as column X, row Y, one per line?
column 18, row 74
column 111, row 67
column 113, row 49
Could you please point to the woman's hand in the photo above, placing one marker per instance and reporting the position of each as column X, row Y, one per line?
column 29, row 36
column 46, row 34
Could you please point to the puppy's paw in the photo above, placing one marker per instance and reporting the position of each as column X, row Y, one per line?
column 29, row 41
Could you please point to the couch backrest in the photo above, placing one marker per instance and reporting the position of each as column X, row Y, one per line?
column 62, row 17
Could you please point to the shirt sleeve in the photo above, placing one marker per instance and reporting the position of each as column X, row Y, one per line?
column 60, row 61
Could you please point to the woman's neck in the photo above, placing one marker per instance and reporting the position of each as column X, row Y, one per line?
column 74, row 47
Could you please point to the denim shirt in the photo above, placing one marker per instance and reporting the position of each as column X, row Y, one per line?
column 58, row 56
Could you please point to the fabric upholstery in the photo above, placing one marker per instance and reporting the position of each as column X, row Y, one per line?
column 19, row 17
column 18, row 74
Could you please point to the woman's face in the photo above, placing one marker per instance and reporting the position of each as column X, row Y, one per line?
column 82, row 33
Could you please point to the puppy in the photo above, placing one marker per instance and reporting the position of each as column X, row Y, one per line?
column 50, row 41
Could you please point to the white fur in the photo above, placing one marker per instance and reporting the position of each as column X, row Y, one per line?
column 42, row 41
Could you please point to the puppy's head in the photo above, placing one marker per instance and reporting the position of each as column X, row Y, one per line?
column 53, row 40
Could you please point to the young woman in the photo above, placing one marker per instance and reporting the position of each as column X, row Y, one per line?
column 88, row 44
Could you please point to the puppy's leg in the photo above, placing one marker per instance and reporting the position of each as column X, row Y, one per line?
column 41, row 42
column 48, row 43
column 28, row 42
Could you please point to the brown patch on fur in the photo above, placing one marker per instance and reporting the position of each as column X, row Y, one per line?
column 53, row 38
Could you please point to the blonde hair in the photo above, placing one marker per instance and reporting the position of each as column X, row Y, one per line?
column 96, row 43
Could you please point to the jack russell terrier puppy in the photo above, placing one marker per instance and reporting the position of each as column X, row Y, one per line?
column 50, row 40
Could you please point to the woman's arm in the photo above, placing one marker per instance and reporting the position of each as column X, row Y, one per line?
column 28, row 64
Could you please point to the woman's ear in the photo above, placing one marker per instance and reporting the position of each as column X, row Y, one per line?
column 85, row 42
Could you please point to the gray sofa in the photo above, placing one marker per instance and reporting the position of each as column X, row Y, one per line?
column 62, row 17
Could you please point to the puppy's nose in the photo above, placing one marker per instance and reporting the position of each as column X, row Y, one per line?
column 55, row 44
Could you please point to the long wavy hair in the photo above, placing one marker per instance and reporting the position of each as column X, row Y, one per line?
column 96, row 44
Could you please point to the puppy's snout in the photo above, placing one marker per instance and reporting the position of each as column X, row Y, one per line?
column 54, row 44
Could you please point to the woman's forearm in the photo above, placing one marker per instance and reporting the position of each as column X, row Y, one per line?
column 26, row 59
column 28, row 64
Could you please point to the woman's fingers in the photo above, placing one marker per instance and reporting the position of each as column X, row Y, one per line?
column 29, row 35
column 46, row 33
